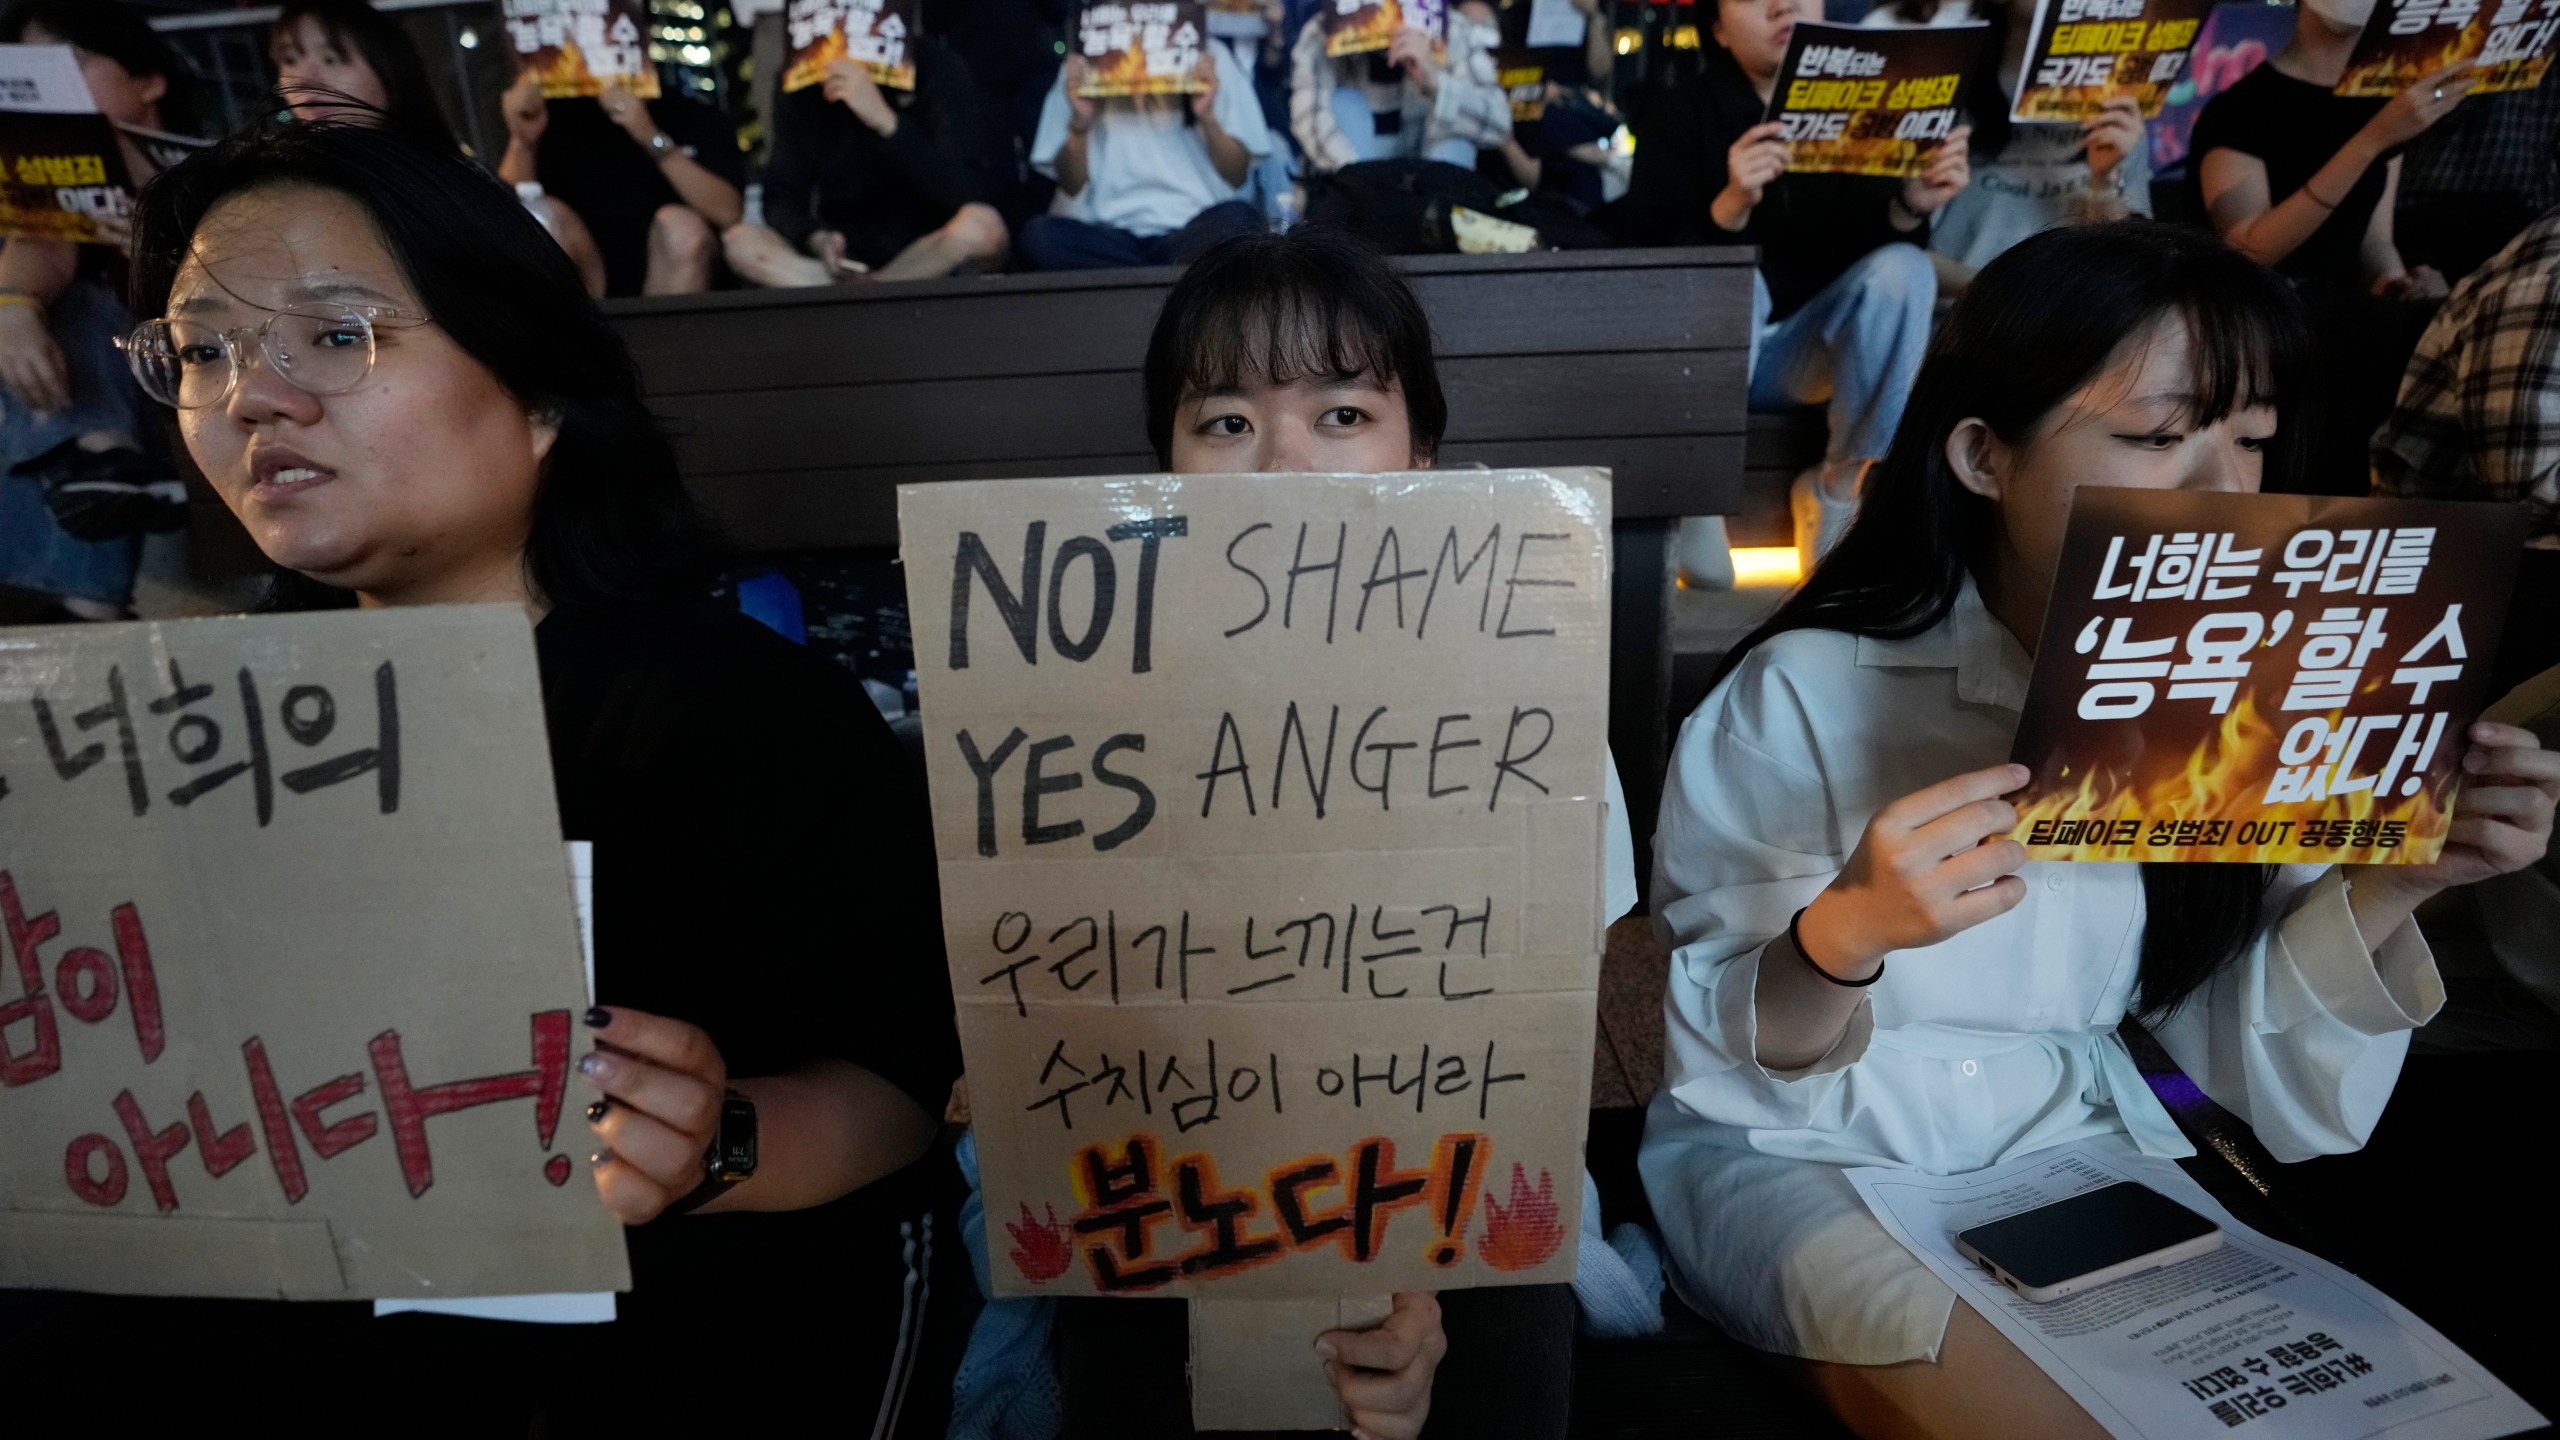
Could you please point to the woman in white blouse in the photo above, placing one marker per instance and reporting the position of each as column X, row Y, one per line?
column 1942, row 1004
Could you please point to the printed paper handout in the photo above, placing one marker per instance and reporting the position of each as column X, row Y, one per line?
column 2087, row 52
column 61, row 171
column 2236, row 39
column 577, row 47
column 1872, row 102
column 1354, row 27
column 2253, row 1337
column 1141, row 47
column 2267, row 678
column 291, row 993
column 879, row 35
column 2508, row 44
column 1269, row 815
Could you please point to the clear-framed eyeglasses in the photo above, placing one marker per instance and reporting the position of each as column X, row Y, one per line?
column 324, row 349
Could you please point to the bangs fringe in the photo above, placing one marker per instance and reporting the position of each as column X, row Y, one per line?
column 1278, row 332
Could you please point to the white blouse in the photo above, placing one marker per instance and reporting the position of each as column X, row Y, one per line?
column 2001, row 1041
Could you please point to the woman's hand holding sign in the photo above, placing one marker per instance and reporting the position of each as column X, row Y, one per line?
column 1384, row 1374
column 1949, row 170
column 2501, row 824
column 662, row 1081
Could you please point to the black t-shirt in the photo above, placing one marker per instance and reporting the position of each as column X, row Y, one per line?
column 764, row 869
column 2293, row 127
column 616, row 185
column 832, row 172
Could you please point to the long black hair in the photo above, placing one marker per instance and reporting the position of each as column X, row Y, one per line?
column 409, row 98
column 611, row 520
column 1313, row 303
column 2036, row 325
column 119, row 32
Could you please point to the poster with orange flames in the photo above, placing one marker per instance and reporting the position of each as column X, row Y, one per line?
column 1355, row 27
column 1269, row 811
column 1855, row 101
column 2264, row 678
column 2508, row 44
column 2086, row 52
column 62, row 174
column 880, row 35
column 576, row 47
column 1141, row 47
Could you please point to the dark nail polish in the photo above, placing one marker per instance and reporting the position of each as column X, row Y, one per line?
column 598, row 1017
column 596, row 1111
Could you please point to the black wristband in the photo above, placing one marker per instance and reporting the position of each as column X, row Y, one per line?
column 1795, row 937
column 703, row 1194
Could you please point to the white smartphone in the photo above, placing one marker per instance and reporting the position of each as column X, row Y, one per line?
column 2084, row 1242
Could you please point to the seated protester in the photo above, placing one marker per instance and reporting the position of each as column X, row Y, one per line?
column 490, row 445
column 344, row 60
column 82, row 468
column 2475, row 180
column 2027, row 176
column 651, row 183
column 2306, row 181
column 873, row 183
column 1147, row 180
column 1867, row 971
column 1842, row 301
column 2479, row 419
column 1403, row 103
column 1290, row 353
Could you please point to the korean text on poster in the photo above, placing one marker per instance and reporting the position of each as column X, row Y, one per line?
column 61, row 171
column 291, row 967
column 1872, row 102
column 2236, row 39
column 2267, row 678
column 1141, row 47
column 1270, row 825
column 2508, row 43
column 2086, row 52
column 879, row 35
column 577, row 47
column 1355, row 27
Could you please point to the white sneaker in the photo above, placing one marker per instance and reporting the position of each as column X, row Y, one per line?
column 1704, row 552
column 1823, row 500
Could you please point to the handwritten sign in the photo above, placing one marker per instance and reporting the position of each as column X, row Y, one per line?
column 2086, row 52
column 1854, row 101
column 61, row 171
column 575, row 47
column 1141, row 47
column 2267, row 678
column 291, row 975
column 1270, row 825
column 879, row 35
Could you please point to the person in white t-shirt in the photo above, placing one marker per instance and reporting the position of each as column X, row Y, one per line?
column 1146, row 180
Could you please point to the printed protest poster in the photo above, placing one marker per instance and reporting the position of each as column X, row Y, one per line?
column 577, row 47
column 61, row 171
column 1872, row 102
column 2266, row 678
column 2509, row 44
column 292, row 979
column 1141, row 47
column 1269, row 812
column 1354, row 27
column 1522, row 73
column 2086, row 52
column 878, row 34
column 2236, row 39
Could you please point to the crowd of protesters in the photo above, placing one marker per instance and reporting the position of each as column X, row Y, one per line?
column 515, row 462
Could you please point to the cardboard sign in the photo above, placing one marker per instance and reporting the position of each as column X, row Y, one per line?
column 1269, row 810
column 2086, row 52
column 879, row 35
column 2236, row 39
column 1141, row 47
column 2266, row 678
column 576, row 47
column 1872, row 102
column 2509, row 44
column 61, row 170
column 291, row 983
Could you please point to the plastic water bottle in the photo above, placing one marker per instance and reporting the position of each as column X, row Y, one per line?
column 530, row 192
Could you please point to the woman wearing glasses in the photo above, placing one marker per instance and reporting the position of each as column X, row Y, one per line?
column 394, row 379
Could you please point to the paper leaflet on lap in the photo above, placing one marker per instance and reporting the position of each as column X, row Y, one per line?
column 576, row 47
column 2253, row 1337
column 2507, row 45
column 1269, row 810
column 1855, row 101
column 290, row 998
column 2268, row 678
column 2085, row 52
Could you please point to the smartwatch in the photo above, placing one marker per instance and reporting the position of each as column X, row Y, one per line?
column 730, row 1158
column 661, row 146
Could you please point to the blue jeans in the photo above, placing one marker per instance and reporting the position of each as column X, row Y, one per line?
column 1054, row 242
column 1856, row 345
column 35, row 553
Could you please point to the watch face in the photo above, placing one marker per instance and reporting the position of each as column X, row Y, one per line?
column 736, row 1146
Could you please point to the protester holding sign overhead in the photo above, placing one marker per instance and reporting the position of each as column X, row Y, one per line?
column 1833, row 830
column 82, row 472
column 395, row 381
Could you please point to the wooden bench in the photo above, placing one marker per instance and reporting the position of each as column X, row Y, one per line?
column 799, row 413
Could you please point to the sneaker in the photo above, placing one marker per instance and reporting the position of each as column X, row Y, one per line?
column 1822, row 501
column 1704, row 552
column 105, row 494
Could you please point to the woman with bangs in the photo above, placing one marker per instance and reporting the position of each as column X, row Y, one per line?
column 1867, row 971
